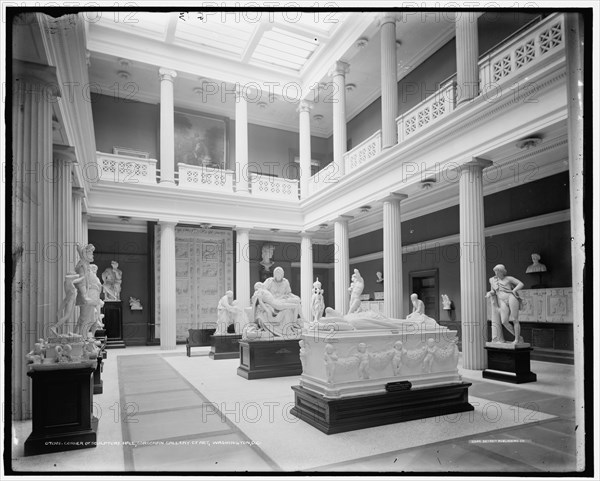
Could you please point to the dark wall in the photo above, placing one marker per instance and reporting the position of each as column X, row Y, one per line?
column 130, row 250
column 494, row 27
column 125, row 123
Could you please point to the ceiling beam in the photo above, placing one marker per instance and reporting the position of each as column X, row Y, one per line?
column 254, row 41
column 171, row 27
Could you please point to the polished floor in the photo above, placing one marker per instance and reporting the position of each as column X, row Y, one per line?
column 161, row 411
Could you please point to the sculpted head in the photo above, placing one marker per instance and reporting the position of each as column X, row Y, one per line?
column 278, row 273
column 500, row 270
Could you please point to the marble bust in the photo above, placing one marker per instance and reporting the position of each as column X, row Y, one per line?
column 536, row 266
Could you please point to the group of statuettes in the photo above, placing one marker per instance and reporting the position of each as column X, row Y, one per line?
column 277, row 311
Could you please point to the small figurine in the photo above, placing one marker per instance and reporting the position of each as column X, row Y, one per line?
column 399, row 352
column 446, row 302
column 36, row 356
column 63, row 353
column 135, row 304
column 363, row 358
column 331, row 358
column 379, row 278
column 356, row 288
column 317, row 302
column 428, row 360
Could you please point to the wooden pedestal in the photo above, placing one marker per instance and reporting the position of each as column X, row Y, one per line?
column 224, row 346
column 113, row 324
column 509, row 365
column 62, row 411
column 273, row 358
column 358, row 412
column 98, row 384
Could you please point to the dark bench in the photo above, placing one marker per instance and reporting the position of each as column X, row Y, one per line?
column 201, row 337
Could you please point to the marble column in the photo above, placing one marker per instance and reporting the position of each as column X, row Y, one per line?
column 35, row 88
column 341, row 269
column 338, row 74
column 467, row 56
column 241, row 142
column 84, row 227
column 242, row 271
column 389, row 81
column 78, row 193
column 168, row 294
column 393, row 300
column 305, row 151
column 306, row 274
column 167, row 125
column 574, row 44
column 473, row 280
column 64, row 158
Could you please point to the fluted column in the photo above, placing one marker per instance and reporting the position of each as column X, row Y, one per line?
column 64, row 158
column 393, row 302
column 338, row 74
column 341, row 269
column 77, row 194
column 84, row 227
column 306, row 274
column 241, row 141
column 467, row 56
column 168, row 294
column 242, row 272
column 34, row 91
column 389, row 81
column 167, row 125
column 473, row 282
column 574, row 43
column 305, row 152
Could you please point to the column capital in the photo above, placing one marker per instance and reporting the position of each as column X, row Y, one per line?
column 476, row 163
column 339, row 68
column 394, row 197
column 305, row 106
column 78, row 192
column 165, row 222
column 307, row 235
column 43, row 76
column 342, row 218
column 166, row 74
column 64, row 153
column 388, row 17
column 242, row 229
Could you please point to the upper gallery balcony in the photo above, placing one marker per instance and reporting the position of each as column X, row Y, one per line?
column 515, row 59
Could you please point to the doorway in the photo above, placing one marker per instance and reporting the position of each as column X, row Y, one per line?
column 425, row 285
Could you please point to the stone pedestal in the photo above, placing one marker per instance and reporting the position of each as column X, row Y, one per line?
column 509, row 364
column 98, row 384
column 271, row 358
column 225, row 346
column 62, row 410
column 358, row 412
column 113, row 324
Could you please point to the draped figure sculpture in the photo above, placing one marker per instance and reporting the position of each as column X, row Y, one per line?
column 505, row 304
column 275, row 310
column 356, row 287
column 88, row 291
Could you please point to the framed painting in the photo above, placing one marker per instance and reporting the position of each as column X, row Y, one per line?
column 201, row 139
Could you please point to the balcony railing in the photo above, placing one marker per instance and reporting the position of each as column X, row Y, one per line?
column 522, row 52
column 428, row 112
column 363, row 152
column 125, row 169
column 273, row 187
column 205, row 178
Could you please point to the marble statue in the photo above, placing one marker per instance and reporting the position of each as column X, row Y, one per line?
column 331, row 359
column 418, row 312
column 37, row 354
column 429, row 355
column 66, row 307
column 536, row 266
column 356, row 288
column 228, row 312
column 317, row 302
column 363, row 361
column 302, row 352
column 88, row 292
column 275, row 310
column 267, row 254
column 399, row 353
column 112, row 277
column 379, row 278
column 135, row 304
column 505, row 304
column 446, row 302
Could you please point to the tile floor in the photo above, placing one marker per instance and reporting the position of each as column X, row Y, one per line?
column 162, row 411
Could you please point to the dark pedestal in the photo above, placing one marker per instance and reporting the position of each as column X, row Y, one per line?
column 62, row 411
column 113, row 324
column 358, row 412
column 98, row 384
column 100, row 335
column 225, row 346
column 509, row 365
column 273, row 358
